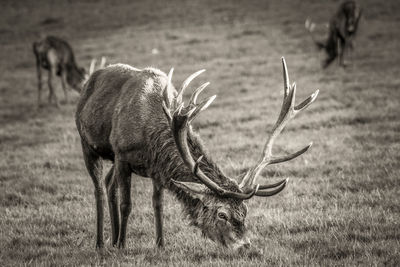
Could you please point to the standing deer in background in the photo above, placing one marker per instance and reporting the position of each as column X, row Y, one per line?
column 56, row 56
column 342, row 31
column 136, row 119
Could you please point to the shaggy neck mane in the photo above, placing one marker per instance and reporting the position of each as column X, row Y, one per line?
column 166, row 164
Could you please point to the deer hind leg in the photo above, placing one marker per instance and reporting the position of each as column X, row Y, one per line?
column 94, row 165
column 158, row 212
column 331, row 57
column 64, row 84
column 342, row 51
column 111, row 186
column 39, row 77
column 122, row 174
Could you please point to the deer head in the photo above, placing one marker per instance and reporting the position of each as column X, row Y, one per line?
column 352, row 13
column 222, row 212
column 76, row 78
column 79, row 76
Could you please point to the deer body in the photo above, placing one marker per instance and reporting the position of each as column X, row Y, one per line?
column 343, row 28
column 56, row 56
column 124, row 115
column 131, row 130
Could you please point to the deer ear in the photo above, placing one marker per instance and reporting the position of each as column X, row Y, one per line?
column 191, row 188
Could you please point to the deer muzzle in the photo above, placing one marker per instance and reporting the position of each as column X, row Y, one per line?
column 244, row 243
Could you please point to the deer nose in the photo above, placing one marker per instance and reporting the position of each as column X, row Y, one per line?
column 246, row 244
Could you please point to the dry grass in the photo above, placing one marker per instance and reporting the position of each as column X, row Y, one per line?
column 342, row 204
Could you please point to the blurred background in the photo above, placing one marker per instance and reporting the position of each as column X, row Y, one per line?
column 341, row 206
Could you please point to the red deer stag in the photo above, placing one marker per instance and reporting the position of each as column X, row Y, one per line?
column 137, row 119
column 342, row 31
column 56, row 56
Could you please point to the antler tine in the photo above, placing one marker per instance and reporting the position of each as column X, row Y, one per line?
column 202, row 106
column 217, row 189
column 186, row 83
column 181, row 119
column 288, row 112
column 266, row 193
column 168, row 96
column 171, row 71
column 196, row 93
column 307, row 102
column 102, row 62
column 275, row 160
column 262, row 187
column 167, row 93
column 92, row 65
column 286, row 83
column 309, row 25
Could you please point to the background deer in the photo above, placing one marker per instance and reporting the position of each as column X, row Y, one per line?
column 137, row 119
column 343, row 28
column 56, row 56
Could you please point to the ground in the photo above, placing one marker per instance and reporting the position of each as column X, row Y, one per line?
column 341, row 206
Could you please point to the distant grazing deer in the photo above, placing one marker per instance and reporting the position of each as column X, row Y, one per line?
column 137, row 119
column 56, row 56
column 342, row 30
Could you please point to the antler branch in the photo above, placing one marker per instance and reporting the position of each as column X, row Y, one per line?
column 180, row 120
column 93, row 65
column 288, row 112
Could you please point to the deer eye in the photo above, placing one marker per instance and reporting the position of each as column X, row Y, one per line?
column 223, row 216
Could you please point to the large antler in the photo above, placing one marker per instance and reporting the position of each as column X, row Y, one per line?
column 288, row 111
column 180, row 120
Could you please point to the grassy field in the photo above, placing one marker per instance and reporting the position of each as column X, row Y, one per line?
column 342, row 205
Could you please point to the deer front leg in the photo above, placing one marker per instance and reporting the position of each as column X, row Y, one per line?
column 332, row 50
column 122, row 174
column 52, row 74
column 111, row 185
column 339, row 50
column 158, row 212
column 350, row 49
column 343, row 51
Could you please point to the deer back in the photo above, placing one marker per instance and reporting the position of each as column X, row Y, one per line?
column 120, row 107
